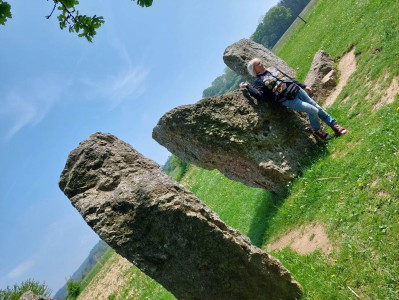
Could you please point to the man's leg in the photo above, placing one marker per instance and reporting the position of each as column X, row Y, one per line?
column 323, row 115
column 302, row 106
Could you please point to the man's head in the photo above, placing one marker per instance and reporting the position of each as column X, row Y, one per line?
column 255, row 67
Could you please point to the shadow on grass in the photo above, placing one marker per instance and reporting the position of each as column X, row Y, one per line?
column 272, row 202
column 264, row 214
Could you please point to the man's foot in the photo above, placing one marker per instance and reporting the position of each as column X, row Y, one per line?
column 338, row 129
column 321, row 134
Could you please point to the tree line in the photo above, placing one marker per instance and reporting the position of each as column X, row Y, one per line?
column 277, row 20
column 17, row 290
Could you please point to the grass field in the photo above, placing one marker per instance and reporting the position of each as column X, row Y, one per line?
column 359, row 204
column 89, row 277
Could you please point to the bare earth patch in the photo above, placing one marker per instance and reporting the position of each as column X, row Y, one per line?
column 389, row 96
column 108, row 280
column 383, row 193
column 346, row 66
column 304, row 240
column 375, row 183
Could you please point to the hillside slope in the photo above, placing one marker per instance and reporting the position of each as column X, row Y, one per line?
column 95, row 255
column 119, row 279
column 351, row 190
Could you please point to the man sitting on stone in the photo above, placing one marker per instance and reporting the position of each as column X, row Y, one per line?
column 271, row 83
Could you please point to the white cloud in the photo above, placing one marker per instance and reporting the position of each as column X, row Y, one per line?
column 20, row 270
column 126, row 84
column 28, row 104
column 129, row 81
column 20, row 111
column 120, row 87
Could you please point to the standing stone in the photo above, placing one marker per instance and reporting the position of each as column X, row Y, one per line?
column 237, row 55
column 260, row 144
column 29, row 295
column 165, row 230
column 321, row 76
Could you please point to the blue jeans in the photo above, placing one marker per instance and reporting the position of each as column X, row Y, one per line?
column 304, row 103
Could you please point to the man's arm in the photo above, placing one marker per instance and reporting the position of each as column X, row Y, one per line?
column 256, row 90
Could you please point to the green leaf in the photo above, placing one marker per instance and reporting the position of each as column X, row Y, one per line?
column 83, row 25
column 145, row 3
column 5, row 12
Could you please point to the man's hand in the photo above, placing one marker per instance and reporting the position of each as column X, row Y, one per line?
column 243, row 84
column 309, row 90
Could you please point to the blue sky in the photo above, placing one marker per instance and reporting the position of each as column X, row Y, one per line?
column 56, row 89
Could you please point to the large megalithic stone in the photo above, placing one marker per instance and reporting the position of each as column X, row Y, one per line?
column 258, row 143
column 164, row 229
column 237, row 55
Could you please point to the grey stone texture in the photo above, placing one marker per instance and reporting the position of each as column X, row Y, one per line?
column 164, row 229
column 258, row 143
column 29, row 295
column 237, row 55
column 321, row 76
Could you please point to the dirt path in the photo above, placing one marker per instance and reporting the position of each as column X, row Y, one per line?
column 108, row 281
column 389, row 96
column 346, row 67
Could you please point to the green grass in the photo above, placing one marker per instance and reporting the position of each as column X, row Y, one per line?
column 359, row 210
column 135, row 284
column 359, row 204
column 143, row 287
column 140, row 286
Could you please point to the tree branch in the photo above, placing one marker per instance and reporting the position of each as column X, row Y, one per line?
column 49, row 16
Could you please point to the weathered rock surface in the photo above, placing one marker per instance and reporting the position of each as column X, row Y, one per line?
column 321, row 76
column 164, row 229
column 260, row 144
column 29, row 295
column 237, row 55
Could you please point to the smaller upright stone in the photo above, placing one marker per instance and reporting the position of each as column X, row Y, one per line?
column 237, row 55
column 29, row 295
column 321, row 76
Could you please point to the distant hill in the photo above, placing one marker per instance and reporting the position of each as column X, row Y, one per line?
column 94, row 256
